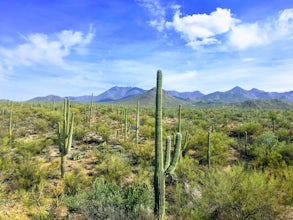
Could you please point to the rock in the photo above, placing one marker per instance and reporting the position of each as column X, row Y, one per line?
column 92, row 137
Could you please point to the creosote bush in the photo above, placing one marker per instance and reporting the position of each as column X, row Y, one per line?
column 107, row 200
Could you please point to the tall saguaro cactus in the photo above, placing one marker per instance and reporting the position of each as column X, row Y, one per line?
column 91, row 111
column 137, row 123
column 159, row 177
column 10, row 128
column 161, row 168
column 65, row 133
column 125, row 125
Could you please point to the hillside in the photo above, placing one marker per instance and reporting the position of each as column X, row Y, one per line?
column 49, row 98
column 149, row 97
column 117, row 93
column 186, row 95
column 237, row 94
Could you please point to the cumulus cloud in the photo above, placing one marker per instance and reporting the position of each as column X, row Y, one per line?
column 221, row 27
column 244, row 36
column 201, row 29
column 42, row 48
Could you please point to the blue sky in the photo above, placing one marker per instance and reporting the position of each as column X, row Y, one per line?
column 76, row 47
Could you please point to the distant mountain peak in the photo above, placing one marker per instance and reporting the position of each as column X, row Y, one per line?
column 236, row 94
column 236, row 89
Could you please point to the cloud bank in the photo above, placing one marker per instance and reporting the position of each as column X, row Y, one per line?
column 44, row 49
column 221, row 27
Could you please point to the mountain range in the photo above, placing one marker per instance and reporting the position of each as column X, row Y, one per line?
column 130, row 95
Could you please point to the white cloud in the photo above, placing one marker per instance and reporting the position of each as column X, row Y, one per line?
column 285, row 23
column 201, row 29
column 221, row 27
column 157, row 13
column 44, row 49
column 244, row 36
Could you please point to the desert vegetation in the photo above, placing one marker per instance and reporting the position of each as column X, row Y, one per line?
column 144, row 162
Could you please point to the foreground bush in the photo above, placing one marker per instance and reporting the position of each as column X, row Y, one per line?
column 233, row 194
column 109, row 201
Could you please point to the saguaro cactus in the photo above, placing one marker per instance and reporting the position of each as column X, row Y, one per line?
column 10, row 128
column 159, row 176
column 209, row 149
column 65, row 133
column 125, row 124
column 137, row 123
column 161, row 168
column 246, row 142
column 91, row 111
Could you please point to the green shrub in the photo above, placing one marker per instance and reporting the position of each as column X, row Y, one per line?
column 27, row 174
column 234, row 194
column 109, row 201
column 74, row 182
column 266, row 151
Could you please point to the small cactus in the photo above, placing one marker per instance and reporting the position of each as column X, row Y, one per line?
column 10, row 128
column 209, row 149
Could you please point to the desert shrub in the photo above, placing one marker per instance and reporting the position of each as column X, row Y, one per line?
column 41, row 125
column 104, row 131
column 220, row 144
column 287, row 153
column 266, row 151
column 27, row 174
column 74, row 182
column 115, row 168
column 186, row 170
column 28, row 148
column 234, row 194
column 107, row 200
column 79, row 132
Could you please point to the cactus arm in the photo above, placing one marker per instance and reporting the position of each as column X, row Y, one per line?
column 167, row 153
column 176, row 155
column 179, row 119
column 68, row 147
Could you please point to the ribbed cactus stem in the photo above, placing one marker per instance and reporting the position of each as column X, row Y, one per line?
column 125, row 124
column 159, row 176
column 245, row 145
column 91, row 110
column 137, row 123
column 176, row 154
column 179, row 119
column 65, row 134
column 187, row 135
column 167, row 153
column 10, row 127
column 209, row 149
